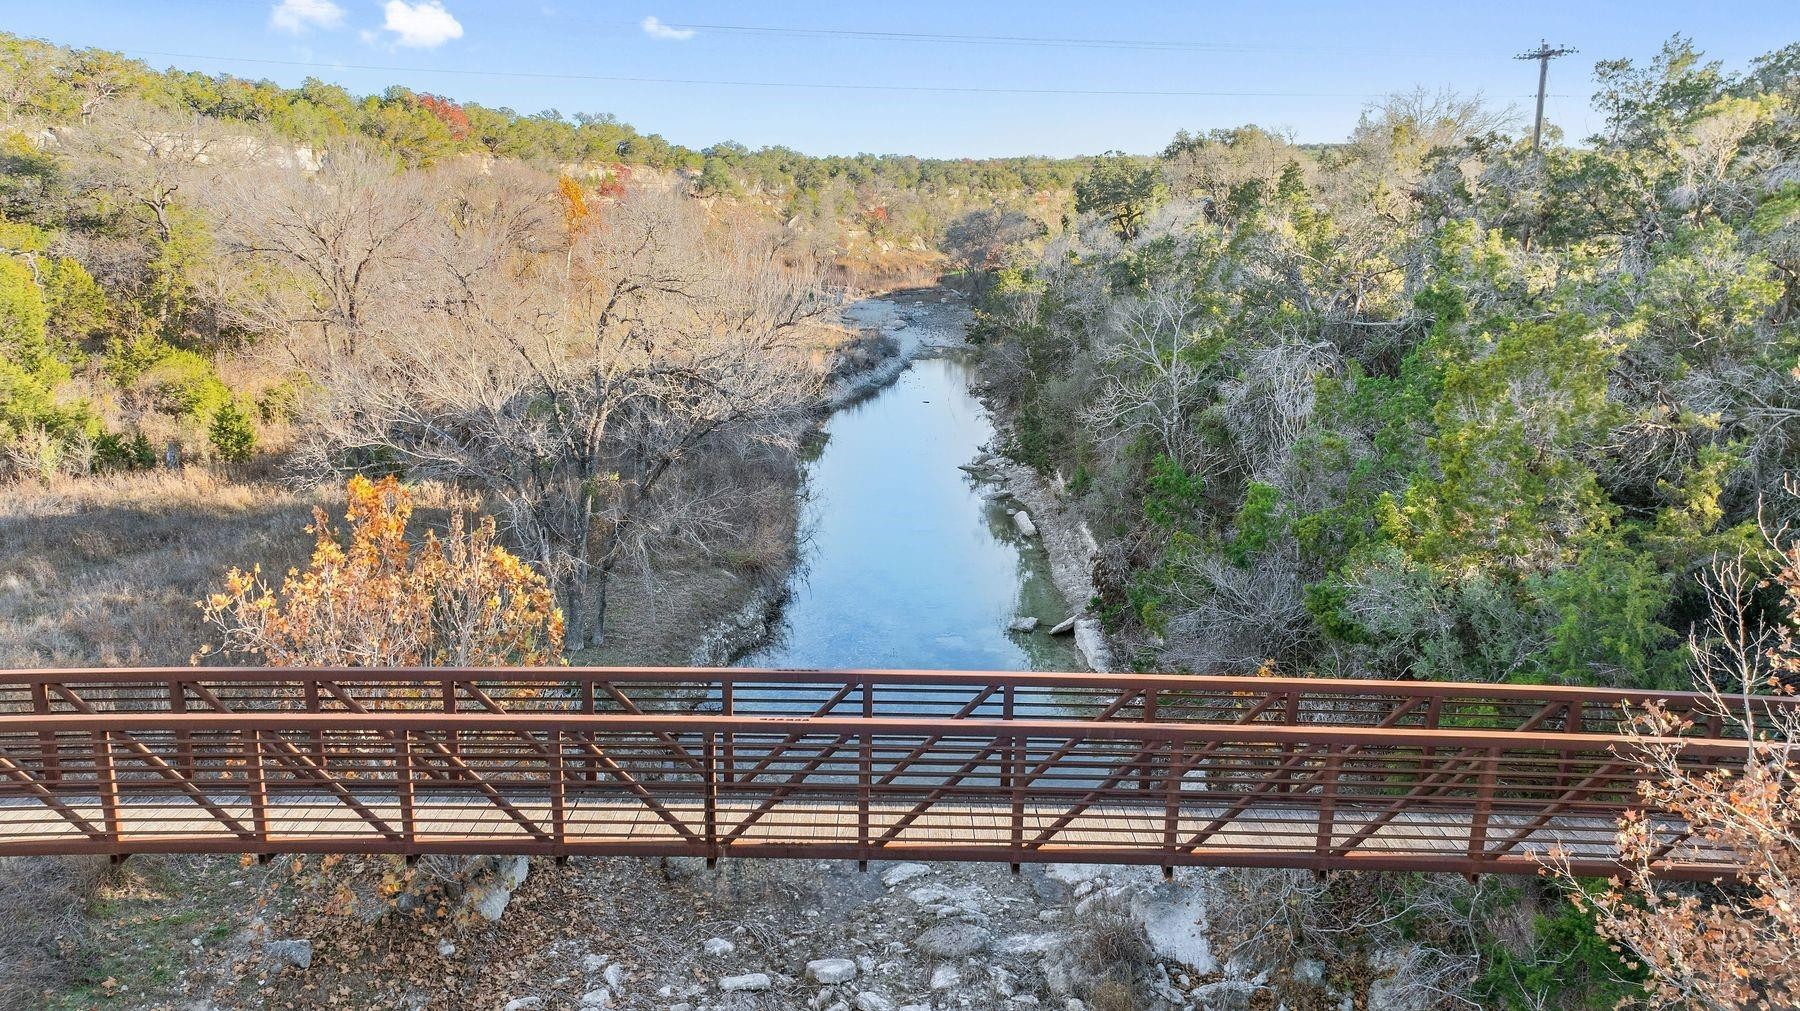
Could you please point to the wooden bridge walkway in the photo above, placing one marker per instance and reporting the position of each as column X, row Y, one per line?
column 861, row 765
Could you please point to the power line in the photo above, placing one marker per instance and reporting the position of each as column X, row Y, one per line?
column 953, row 38
column 822, row 86
column 1177, row 45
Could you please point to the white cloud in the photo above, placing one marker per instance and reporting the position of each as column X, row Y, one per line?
column 654, row 28
column 297, row 17
column 422, row 25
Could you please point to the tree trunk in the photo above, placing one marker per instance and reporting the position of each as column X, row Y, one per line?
column 597, row 592
column 569, row 593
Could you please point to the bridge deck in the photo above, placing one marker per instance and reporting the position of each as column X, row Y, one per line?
column 840, row 764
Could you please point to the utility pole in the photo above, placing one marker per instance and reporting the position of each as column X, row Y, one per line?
column 1543, row 54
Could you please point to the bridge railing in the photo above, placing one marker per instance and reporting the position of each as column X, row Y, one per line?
column 859, row 785
column 950, row 695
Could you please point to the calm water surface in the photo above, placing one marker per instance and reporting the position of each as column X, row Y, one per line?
column 906, row 566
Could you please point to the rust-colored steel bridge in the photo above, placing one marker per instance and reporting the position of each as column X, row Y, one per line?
column 858, row 764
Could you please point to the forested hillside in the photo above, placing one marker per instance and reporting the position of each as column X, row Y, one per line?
column 831, row 202
column 131, row 199
column 1428, row 403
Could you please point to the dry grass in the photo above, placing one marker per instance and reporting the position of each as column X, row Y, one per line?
column 106, row 570
column 43, row 927
column 1111, row 950
column 1113, row 995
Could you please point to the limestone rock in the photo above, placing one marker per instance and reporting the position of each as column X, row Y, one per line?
column 1309, row 972
column 718, row 947
column 524, row 1004
column 1230, row 995
column 1002, row 980
column 1023, row 624
column 296, row 952
column 1022, row 520
column 953, row 940
column 870, row 1000
column 498, row 878
column 831, row 971
column 1064, row 626
column 902, row 873
column 748, row 981
column 945, row 977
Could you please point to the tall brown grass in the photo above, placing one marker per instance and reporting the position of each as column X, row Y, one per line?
column 106, row 570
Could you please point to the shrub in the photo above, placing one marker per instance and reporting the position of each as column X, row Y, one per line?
column 232, row 434
column 182, row 383
column 1110, row 953
column 113, row 451
column 378, row 600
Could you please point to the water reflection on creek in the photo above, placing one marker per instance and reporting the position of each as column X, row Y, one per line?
column 906, row 565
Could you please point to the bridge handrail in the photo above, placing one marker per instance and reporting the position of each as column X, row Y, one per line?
column 852, row 725
column 959, row 695
column 879, row 676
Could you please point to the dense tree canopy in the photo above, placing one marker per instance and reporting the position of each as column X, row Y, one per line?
column 1425, row 403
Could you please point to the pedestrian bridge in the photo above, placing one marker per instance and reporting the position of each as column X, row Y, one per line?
column 848, row 764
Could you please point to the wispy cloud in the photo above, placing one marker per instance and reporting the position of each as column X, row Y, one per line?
column 654, row 28
column 297, row 17
column 422, row 25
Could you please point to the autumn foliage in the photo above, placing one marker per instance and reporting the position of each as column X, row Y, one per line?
column 574, row 204
column 449, row 113
column 1736, row 946
column 373, row 598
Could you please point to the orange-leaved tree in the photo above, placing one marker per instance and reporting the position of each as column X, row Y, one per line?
column 1723, row 946
column 372, row 598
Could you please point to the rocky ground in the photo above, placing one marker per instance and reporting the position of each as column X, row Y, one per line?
column 744, row 936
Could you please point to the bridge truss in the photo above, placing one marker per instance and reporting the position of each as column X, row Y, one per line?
column 862, row 765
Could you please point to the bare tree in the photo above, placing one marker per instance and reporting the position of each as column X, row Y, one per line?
column 1151, row 373
column 320, row 256
column 576, row 390
column 148, row 158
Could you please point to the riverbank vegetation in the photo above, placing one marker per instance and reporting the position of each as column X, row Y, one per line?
column 1434, row 404
column 1428, row 404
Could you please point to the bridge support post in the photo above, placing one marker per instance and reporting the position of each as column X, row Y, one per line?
column 47, row 746
column 865, row 778
column 184, row 739
column 403, row 776
column 1014, row 780
column 255, row 785
column 1484, row 804
column 559, row 799
column 1328, row 787
column 109, row 785
column 1172, row 805
column 710, row 794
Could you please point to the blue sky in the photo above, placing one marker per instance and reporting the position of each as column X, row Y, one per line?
column 1305, row 67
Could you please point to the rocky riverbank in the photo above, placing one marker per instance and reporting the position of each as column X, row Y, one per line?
column 1041, row 513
